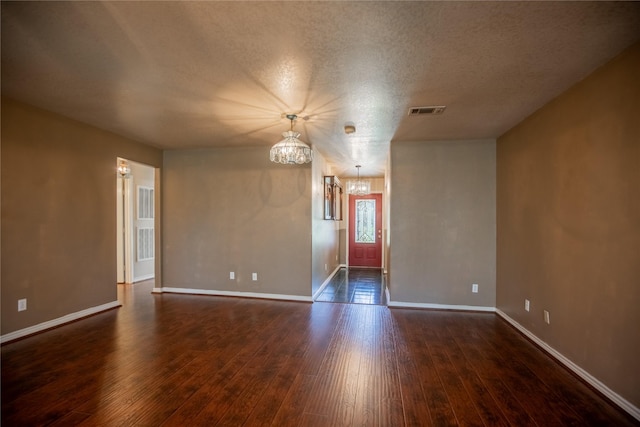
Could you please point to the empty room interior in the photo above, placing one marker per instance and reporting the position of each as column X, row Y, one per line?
column 187, row 186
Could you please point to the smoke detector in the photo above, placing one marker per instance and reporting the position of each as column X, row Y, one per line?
column 349, row 128
column 431, row 110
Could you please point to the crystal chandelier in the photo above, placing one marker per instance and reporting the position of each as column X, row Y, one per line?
column 359, row 187
column 291, row 150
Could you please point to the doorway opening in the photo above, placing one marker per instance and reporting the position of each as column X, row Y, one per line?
column 136, row 221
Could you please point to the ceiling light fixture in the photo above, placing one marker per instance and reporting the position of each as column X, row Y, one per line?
column 359, row 187
column 291, row 150
column 124, row 169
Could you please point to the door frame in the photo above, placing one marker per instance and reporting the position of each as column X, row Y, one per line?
column 124, row 215
column 126, row 225
column 383, row 225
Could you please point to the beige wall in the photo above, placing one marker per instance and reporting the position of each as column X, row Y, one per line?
column 568, row 221
column 325, row 234
column 442, row 222
column 58, row 214
column 231, row 209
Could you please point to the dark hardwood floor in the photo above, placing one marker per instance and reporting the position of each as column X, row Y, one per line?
column 181, row 360
column 356, row 286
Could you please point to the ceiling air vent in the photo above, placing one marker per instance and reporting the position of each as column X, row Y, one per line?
column 420, row 111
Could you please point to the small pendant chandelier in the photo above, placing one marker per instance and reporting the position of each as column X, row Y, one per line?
column 291, row 150
column 359, row 187
column 124, row 169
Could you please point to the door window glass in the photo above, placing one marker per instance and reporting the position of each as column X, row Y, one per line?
column 365, row 221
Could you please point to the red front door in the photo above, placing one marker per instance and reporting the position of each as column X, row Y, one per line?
column 365, row 230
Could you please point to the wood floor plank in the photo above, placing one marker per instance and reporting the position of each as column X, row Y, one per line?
column 176, row 360
column 385, row 355
column 226, row 382
column 435, row 394
column 370, row 381
column 489, row 370
column 479, row 394
column 270, row 401
column 563, row 386
column 495, row 360
column 137, row 393
column 520, row 380
column 308, row 356
column 336, row 389
column 314, row 420
column 274, row 357
column 291, row 410
column 323, row 319
column 290, row 366
column 414, row 403
column 219, row 366
column 437, row 337
column 72, row 418
column 378, row 394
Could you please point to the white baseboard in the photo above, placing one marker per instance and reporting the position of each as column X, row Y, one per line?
column 57, row 322
column 142, row 278
column 326, row 282
column 401, row 304
column 590, row 379
column 231, row 294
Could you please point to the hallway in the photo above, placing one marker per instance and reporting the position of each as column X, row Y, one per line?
column 356, row 286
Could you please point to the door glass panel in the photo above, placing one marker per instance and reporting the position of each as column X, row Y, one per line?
column 365, row 221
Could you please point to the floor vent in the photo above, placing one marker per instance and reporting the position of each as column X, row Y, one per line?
column 419, row 111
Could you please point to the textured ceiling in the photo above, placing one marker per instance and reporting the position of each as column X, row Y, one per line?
column 201, row 74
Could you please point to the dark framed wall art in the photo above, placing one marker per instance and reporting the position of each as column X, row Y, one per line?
column 332, row 198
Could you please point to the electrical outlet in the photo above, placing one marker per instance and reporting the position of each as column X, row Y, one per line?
column 546, row 317
column 232, row 275
column 22, row 304
column 527, row 304
column 474, row 288
column 325, row 267
column 254, row 276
